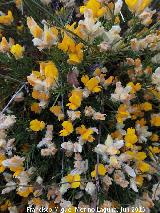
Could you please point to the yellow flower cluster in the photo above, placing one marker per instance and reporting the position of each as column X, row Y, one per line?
column 69, row 46
column 16, row 49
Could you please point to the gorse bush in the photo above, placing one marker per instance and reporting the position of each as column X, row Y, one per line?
column 80, row 91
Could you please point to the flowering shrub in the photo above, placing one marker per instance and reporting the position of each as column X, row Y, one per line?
column 82, row 129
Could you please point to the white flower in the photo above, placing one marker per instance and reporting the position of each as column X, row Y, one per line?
column 118, row 6
column 39, row 180
column 86, row 93
column 2, row 143
column 113, row 162
column 46, row 142
column 15, row 161
column 112, row 35
column 65, row 204
column 72, row 147
column 143, row 133
column 156, row 78
column 9, row 146
column 7, row 177
column 156, row 59
column 89, row 28
column 48, row 137
column 104, row 46
column 148, row 42
column 110, row 147
column 64, row 186
column 51, row 150
column 146, row 16
column 48, row 39
column 73, row 115
column 121, row 93
column 23, row 178
column 133, row 185
column 81, row 166
column 129, row 170
column 13, row 209
column 124, row 157
column 10, row 186
column 90, row 188
column 156, row 191
column 6, row 121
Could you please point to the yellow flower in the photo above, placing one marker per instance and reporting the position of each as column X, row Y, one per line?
column 141, row 122
column 143, row 167
column 2, row 158
column 91, row 84
column 137, row 5
column 67, row 128
column 6, row 19
column 100, row 168
column 155, row 120
column 135, row 87
column 18, row 3
column 26, row 192
column 154, row 150
column 75, row 99
column 108, row 81
column 85, row 133
column 74, row 180
column 37, row 201
column 136, row 112
column 4, row 207
column 68, row 45
column 15, row 164
column 17, row 50
column 5, row 45
column 140, row 155
column 154, row 137
column 36, row 31
column 16, row 170
column 50, row 72
column 35, row 107
column 130, row 138
column 117, row 20
column 57, row 111
column 146, row 106
column 117, row 135
column 139, row 180
column 37, row 125
column 75, row 102
column 76, row 55
column 122, row 114
column 40, row 95
column 96, row 8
